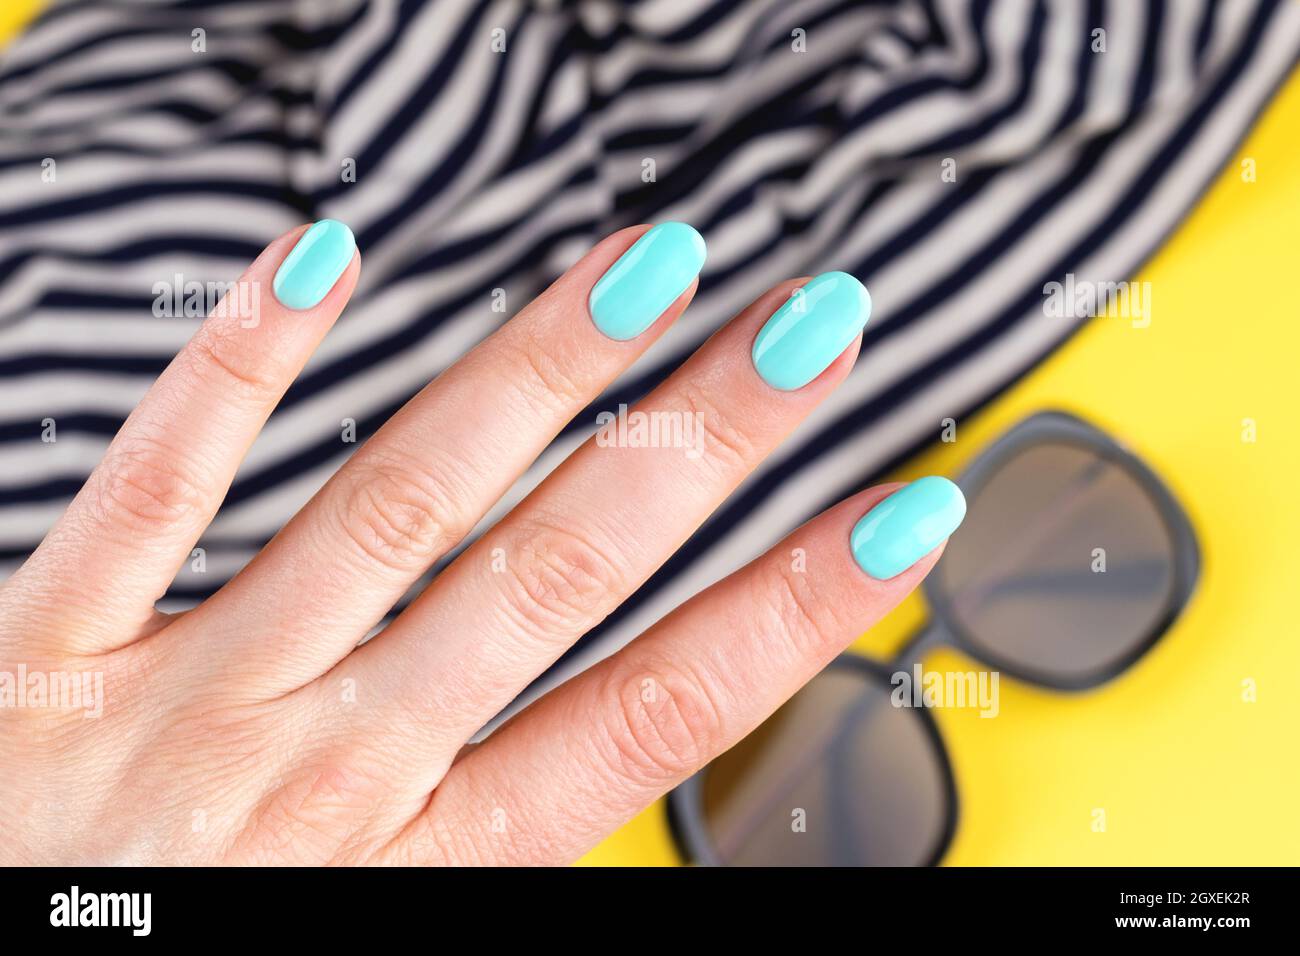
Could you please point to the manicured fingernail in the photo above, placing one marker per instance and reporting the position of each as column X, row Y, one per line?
column 807, row 334
column 312, row 267
column 906, row 526
column 647, row 279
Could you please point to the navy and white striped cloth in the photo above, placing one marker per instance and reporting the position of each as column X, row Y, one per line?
column 495, row 140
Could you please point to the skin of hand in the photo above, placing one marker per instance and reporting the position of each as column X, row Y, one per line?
column 256, row 728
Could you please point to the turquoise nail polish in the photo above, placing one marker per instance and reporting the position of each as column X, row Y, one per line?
column 809, row 332
column 646, row 279
column 312, row 267
column 906, row 526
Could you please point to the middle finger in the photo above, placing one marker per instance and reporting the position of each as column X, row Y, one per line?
column 604, row 521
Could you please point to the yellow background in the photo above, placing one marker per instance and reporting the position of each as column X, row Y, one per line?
column 1185, row 769
column 14, row 13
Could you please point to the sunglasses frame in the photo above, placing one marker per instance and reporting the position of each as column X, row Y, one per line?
column 686, row 801
column 1054, row 427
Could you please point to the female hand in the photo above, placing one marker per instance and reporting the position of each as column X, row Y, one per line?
column 254, row 729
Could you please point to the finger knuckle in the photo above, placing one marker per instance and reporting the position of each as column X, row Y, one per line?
column 806, row 621
column 727, row 446
column 237, row 369
column 146, row 485
column 559, row 578
column 320, row 813
column 401, row 517
column 664, row 722
column 546, row 377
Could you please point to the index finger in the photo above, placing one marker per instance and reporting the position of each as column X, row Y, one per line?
column 119, row 545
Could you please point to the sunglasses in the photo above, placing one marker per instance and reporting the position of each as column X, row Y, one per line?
column 1073, row 560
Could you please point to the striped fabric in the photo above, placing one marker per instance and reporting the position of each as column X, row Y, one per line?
column 957, row 155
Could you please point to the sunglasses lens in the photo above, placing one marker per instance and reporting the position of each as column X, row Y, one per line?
column 837, row 777
column 1063, row 567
